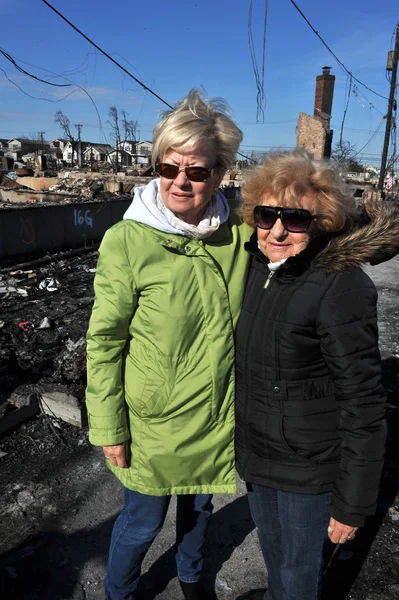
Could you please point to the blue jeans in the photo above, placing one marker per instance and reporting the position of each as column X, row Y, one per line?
column 135, row 529
column 292, row 531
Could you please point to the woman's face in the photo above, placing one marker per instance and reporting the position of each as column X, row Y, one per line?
column 188, row 199
column 277, row 243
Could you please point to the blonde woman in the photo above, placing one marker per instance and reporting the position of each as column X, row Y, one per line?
column 160, row 345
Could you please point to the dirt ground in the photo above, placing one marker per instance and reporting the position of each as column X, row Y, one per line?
column 58, row 501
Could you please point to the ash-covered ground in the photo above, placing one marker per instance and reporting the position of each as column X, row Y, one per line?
column 58, row 501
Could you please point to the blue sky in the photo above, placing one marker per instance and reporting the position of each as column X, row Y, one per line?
column 176, row 45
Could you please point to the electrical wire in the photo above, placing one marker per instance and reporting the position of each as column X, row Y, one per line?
column 371, row 139
column 247, row 157
column 106, row 54
column 346, row 110
column 84, row 90
column 30, row 95
column 259, row 95
column 24, row 72
column 331, row 52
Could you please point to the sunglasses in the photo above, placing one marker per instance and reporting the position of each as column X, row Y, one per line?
column 192, row 173
column 294, row 220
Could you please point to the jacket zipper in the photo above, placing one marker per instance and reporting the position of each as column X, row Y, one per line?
column 248, row 390
column 268, row 279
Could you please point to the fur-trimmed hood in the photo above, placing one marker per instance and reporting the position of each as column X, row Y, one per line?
column 373, row 239
column 373, row 242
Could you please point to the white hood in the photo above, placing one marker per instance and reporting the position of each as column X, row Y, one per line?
column 148, row 208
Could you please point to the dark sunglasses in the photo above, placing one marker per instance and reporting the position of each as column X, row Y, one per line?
column 295, row 220
column 192, row 173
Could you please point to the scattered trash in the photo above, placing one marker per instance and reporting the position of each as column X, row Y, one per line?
column 50, row 284
column 20, row 272
column 10, row 289
column 221, row 584
column 2, row 454
column 2, row 323
column 46, row 323
column 86, row 269
column 393, row 513
column 71, row 346
column 26, row 325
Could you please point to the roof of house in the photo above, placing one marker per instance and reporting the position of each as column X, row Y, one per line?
column 28, row 142
column 100, row 147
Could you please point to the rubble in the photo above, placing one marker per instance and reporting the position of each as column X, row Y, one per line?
column 62, row 406
column 42, row 338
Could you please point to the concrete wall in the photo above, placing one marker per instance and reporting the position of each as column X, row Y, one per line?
column 33, row 228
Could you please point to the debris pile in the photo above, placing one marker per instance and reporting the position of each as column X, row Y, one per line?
column 45, row 312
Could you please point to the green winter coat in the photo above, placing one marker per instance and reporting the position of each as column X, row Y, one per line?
column 160, row 355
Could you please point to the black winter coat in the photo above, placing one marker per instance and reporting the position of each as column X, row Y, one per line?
column 310, row 404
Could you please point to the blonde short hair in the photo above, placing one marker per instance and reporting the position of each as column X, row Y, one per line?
column 289, row 176
column 194, row 120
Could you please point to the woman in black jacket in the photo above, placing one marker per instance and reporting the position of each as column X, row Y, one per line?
column 310, row 405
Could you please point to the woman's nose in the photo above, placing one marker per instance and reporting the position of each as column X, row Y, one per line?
column 278, row 231
column 181, row 178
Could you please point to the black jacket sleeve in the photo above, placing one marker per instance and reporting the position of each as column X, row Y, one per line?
column 347, row 328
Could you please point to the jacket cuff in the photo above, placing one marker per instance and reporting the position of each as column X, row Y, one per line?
column 347, row 519
column 108, row 431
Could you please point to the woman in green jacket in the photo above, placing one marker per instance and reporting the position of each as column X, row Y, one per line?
column 160, row 345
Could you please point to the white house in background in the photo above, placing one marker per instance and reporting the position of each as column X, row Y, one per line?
column 17, row 147
column 144, row 149
column 67, row 152
column 128, row 146
column 58, row 145
column 131, row 153
column 96, row 153
column 125, row 158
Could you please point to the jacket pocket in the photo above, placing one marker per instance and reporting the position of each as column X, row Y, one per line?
column 155, row 397
column 148, row 386
column 313, row 439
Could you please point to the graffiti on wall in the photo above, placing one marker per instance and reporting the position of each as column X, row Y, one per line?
column 82, row 217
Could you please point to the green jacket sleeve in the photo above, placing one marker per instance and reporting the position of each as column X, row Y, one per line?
column 114, row 305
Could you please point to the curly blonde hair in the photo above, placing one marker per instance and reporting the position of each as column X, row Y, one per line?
column 194, row 120
column 289, row 176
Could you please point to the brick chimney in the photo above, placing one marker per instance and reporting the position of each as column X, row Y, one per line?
column 324, row 97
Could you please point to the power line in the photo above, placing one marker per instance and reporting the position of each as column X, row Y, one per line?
column 21, row 70
column 331, row 52
column 30, row 95
column 372, row 137
column 61, row 76
column 346, row 110
column 247, row 157
column 106, row 54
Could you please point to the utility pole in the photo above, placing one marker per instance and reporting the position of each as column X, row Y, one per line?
column 391, row 103
column 41, row 135
column 79, row 127
column 42, row 159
